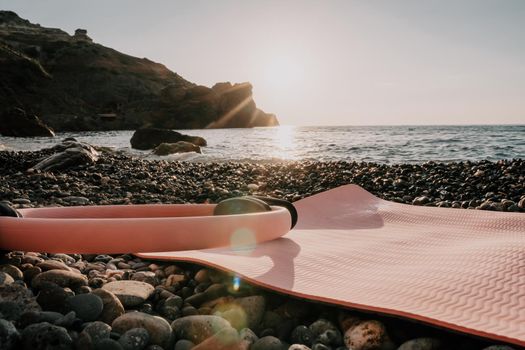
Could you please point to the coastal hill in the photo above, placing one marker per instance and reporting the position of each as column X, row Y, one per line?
column 73, row 84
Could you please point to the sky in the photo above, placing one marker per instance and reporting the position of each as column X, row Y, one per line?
column 369, row 62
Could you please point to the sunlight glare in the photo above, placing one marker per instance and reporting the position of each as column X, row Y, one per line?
column 284, row 142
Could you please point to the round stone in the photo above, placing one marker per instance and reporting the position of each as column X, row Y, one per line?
column 298, row 347
column 189, row 311
column 67, row 320
column 31, row 259
column 158, row 328
column 30, row 317
column 248, row 336
column 97, row 331
column 88, row 307
column 19, row 295
column 31, row 273
column 302, row 335
column 12, row 271
column 134, row 339
column 242, row 312
column 169, row 310
column 112, row 307
column 202, row 276
column 421, row 200
column 9, row 336
column 5, row 278
column 254, row 308
column 421, row 344
column 331, row 337
column 174, row 300
column 268, row 343
column 62, row 278
column 347, row 321
column 53, row 265
column 53, row 297
column 146, row 277
column 225, row 339
column 130, row 293
column 197, row 328
column 184, row 344
column 320, row 326
column 45, row 336
column 366, row 335
column 66, row 258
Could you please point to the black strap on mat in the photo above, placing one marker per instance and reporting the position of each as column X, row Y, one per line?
column 281, row 203
column 7, row 210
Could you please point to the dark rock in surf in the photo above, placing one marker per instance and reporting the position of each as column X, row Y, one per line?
column 149, row 138
column 179, row 147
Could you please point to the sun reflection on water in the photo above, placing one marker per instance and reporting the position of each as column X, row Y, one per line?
column 284, row 142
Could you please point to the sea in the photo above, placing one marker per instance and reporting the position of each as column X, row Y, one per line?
column 379, row 144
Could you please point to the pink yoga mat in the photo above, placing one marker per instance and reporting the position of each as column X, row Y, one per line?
column 459, row 269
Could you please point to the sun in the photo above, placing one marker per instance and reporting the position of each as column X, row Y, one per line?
column 283, row 72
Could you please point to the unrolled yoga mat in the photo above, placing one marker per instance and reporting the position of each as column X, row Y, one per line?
column 459, row 269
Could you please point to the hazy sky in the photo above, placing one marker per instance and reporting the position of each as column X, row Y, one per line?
column 326, row 62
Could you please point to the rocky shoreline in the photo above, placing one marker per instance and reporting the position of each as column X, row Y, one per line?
column 117, row 178
column 59, row 301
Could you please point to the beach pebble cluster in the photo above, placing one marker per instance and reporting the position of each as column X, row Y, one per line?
column 119, row 179
column 72, row 301
column 60, row 301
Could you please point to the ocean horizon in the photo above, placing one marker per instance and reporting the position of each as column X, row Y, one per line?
column 392, row 144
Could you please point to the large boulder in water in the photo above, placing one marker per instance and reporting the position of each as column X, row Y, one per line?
column 16, row 122
column 149, row 138
column 179, row 147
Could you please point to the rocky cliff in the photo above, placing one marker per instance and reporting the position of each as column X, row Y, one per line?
column 72, row 84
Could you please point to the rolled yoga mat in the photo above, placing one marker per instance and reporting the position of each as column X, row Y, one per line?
column 459, row 269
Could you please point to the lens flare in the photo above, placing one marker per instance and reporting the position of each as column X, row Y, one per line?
column 236, row 283
column 233, row 313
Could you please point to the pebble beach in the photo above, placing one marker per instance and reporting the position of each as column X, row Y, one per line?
column 73, row 301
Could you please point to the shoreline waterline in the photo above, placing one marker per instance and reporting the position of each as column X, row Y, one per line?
column 381, row 144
